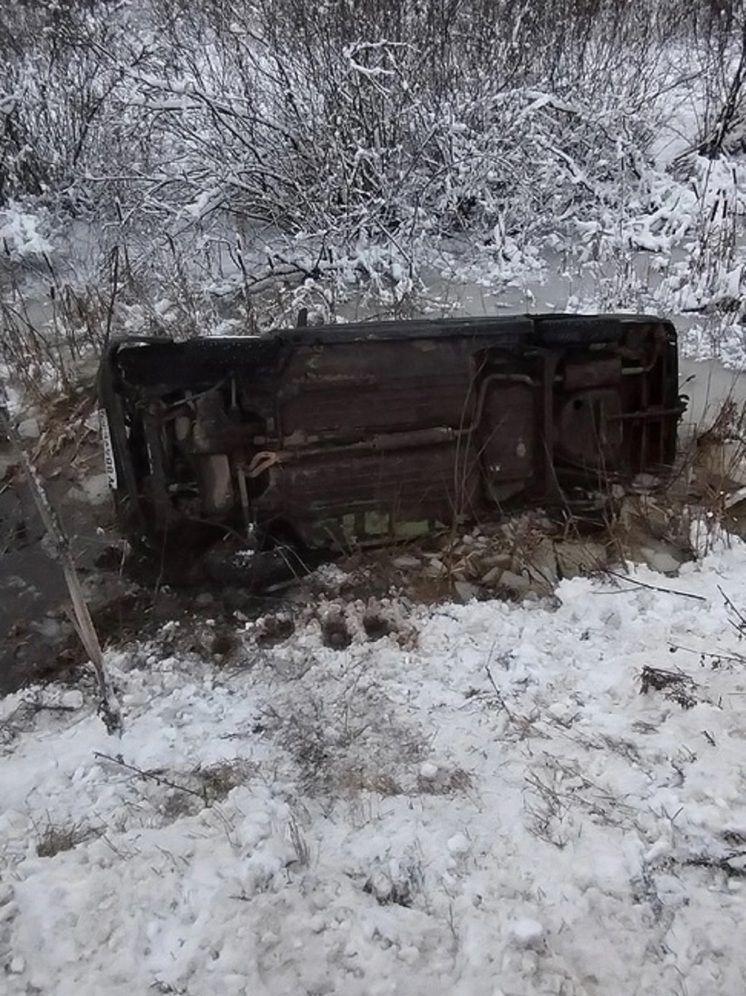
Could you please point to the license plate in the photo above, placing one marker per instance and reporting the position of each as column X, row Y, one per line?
column 110, row 465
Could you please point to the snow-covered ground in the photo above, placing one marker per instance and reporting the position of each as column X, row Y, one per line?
column 488, row 799
column 481, row 801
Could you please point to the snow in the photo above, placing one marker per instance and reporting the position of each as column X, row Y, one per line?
column 481, row 802
column 527, row 933
column 484, row 801
column 20, row 234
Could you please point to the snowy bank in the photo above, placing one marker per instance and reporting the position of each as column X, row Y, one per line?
column 481, row 801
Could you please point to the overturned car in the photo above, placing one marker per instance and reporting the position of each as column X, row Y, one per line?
column 321, row 438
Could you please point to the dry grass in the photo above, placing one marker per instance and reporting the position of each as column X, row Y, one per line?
column 56, row 838
column 345, row 740
column 675, row 685
column 204, row 786
column 445, row 782
column 217, row 780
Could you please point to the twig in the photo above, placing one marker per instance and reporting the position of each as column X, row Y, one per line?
column 108, row 706
column 655, row 587
column 713, row 655
column 498, row 693
column 740, row 627
column 148, row 775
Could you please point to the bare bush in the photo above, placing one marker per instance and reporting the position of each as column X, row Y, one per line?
column 239, row 161
column 348, row 121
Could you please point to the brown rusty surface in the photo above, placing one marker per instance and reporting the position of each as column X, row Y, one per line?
column 390, row 425
column 432, row 483
column 361, row 388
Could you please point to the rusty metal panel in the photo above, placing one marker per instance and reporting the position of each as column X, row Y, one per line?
column 364, row 433
column 509, row 438
column 375, row 386
column 431, row 484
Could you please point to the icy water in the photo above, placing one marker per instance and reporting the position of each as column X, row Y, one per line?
column 708, row 385
column 32, row 588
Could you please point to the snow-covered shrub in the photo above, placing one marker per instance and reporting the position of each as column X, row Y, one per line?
column 346, row 120
column 22, row 234
column 219, row 147
column 65, row 111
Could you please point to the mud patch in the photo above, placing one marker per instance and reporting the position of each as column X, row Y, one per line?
column 335, row 632
column 376, row 626
column 271, row 630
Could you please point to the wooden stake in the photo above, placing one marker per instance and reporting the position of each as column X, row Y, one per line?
column 81, row 616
